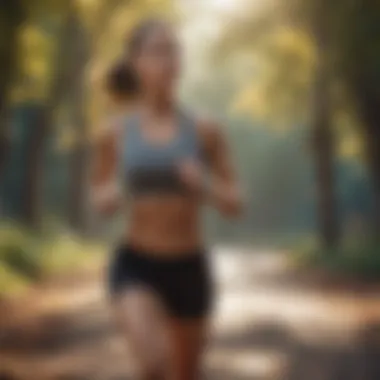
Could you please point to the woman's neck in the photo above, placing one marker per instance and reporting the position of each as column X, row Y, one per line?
column 121, row 107
column 157, row 105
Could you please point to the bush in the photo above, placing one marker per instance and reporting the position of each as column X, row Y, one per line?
column 359, row 260
column 27, row 257
column 11, row 282
column 19, row 252
column 64, row 253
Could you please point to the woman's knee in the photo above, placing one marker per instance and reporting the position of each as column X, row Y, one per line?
column 144, row 325
column 152, row 353
column 153, row 365
column 146, row 373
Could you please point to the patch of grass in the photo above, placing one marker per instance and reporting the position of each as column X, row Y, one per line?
column 361, row 260
column 64, row 253
column 27, row 257
column 11, row 283
column 19, row 252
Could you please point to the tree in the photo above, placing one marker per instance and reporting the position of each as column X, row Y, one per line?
column 322, row 134
column 79, row 52
column 11, row 17
column 43, row 123
column 360, row 63
column 291, row 86
column 353, row 30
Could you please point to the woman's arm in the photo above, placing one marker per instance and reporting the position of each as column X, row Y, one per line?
column 105, row 192
column 223, row 190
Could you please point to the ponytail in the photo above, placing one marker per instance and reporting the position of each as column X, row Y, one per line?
column 121, row 81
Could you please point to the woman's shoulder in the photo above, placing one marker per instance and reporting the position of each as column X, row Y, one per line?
column 208, row 127
column 114, row 125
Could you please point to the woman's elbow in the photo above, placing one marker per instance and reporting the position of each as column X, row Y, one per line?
column 233, row 208
column 106, row 200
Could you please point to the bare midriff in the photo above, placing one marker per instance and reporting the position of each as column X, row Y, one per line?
column 165, row 225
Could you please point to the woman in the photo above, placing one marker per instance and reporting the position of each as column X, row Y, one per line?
column 160, row 282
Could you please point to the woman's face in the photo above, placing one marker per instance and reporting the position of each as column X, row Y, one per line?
column 157, row 60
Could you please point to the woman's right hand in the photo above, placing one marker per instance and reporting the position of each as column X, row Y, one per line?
column 107, row 199
column 190, row 173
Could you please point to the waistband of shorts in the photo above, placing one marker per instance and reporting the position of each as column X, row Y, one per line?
column 176, row 259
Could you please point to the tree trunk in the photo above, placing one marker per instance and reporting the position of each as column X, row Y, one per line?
column 32, row 191
column 31, row 208
column 80, row 52
column 78, row 181
column 11, row 18
column 78, row 173
column 368, row 103
column 362, row 75
column 373, row 150
column 77, row 109
column 323, row 140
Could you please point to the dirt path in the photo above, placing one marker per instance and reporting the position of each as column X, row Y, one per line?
column 268, row 325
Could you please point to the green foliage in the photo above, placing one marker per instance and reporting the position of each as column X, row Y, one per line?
column 358, row 260
column 281, row 43
column 278, row 89
column 27, row 257
column 11, row 282
column 19, row 252
column 66, row 253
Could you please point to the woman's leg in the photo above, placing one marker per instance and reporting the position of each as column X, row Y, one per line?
column 144, row 324
column 187, row 342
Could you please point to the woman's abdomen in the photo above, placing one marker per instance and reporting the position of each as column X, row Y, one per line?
column 165, row 225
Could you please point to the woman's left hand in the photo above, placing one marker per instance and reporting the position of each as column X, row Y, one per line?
column 190, row 172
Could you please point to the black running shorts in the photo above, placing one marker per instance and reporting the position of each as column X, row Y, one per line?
column 183, row 283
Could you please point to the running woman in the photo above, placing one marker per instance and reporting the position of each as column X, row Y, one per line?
column 170, row 163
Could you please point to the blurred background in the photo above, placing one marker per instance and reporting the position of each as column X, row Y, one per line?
column 297, row 86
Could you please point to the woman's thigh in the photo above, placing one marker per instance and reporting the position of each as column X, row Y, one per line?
column 142, row 319
column 187, row 342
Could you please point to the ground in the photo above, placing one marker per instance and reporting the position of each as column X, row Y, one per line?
column 269, row 324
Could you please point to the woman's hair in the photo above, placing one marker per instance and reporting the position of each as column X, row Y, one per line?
column 122, row 79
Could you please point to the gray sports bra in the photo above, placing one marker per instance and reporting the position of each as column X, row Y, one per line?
column 151, row 168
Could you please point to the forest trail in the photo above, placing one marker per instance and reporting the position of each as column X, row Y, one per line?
column 269, row 324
